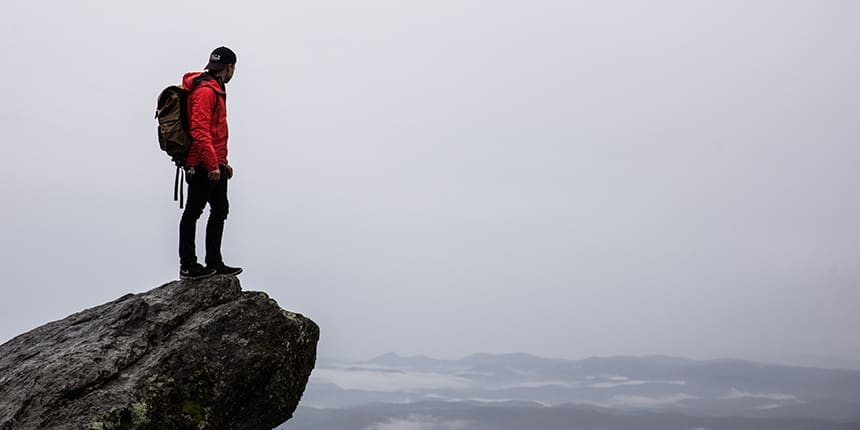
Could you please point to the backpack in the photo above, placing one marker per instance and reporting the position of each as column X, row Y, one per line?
column 174, row 136
column 174, row 132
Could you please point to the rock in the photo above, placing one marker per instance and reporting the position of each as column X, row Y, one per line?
column 187, row 355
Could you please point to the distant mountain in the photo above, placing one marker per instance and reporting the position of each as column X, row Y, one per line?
column 394, row 360
column 484, row 360
column 713, row 388
column 512, row 416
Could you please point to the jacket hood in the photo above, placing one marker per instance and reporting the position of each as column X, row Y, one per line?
column 188, row 82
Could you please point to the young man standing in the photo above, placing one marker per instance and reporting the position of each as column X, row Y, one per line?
column 207, row 168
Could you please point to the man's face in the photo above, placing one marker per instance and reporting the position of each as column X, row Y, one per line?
column 231, row 68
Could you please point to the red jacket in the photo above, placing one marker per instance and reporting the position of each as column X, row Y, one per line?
column 207, row 118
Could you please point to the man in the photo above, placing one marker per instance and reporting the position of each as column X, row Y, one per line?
column 207, row 168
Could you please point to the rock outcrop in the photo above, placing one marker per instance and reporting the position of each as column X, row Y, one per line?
column 187, row 355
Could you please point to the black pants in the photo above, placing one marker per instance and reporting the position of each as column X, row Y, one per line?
column 201, row 191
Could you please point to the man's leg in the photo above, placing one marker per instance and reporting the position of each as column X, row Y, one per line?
column 198, row 194
column 218, row 210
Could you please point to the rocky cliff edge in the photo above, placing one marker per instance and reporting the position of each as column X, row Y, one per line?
column 186, row 355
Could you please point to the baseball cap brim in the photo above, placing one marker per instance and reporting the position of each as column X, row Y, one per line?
column 215, row 67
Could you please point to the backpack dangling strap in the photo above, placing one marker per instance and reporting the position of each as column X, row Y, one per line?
column 178, row 189
column 181, row 190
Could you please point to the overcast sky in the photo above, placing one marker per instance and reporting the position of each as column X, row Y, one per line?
column 564, row 178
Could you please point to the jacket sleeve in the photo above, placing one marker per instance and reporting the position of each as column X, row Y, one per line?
column 202, row 103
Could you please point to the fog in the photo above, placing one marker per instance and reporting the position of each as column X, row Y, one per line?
column 564, row 178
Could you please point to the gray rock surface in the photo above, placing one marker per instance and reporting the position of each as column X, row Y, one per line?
column 186, row 355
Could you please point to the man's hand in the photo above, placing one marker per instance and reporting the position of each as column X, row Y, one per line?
column 229, row 169
column 215, row 175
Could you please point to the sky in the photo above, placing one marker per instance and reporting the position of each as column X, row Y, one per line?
column 563, row 178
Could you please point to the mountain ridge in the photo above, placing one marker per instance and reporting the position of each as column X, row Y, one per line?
column 721, row 387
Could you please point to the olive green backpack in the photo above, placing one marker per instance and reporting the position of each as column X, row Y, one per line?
column 174, row 133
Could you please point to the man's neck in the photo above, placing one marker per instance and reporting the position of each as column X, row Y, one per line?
column 217, row 77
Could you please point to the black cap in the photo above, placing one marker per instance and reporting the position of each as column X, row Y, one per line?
column 220, row 58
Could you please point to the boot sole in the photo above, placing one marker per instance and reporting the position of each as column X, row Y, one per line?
column 233, row 273
column 196, row 278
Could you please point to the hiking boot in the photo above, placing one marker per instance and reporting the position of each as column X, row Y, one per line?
column 223, row 269
column 195, row 271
